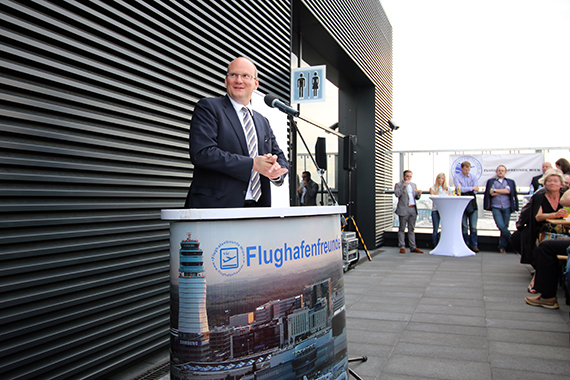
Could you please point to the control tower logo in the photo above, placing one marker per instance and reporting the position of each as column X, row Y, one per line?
column 228, row 258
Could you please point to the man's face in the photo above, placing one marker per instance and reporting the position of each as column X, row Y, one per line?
column 408, row 176
column 546, row 166
column 240, row 89
column 305, row 178
column 465, row 170
column 567, row 179
column 501, row 171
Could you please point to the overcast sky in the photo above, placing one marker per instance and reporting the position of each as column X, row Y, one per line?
column 480, row 74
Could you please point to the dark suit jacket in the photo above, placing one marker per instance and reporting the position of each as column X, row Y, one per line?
column 311, row 194
column 218, row 150
column 513, row 196
column 534, row 181
column 524, row 239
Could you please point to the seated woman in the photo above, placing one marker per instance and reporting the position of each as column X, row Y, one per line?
column 532, row 224
column 548, row 267
column 550, row 207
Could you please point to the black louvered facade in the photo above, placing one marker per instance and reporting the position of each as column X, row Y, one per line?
column 96, row 102
column 360, row 51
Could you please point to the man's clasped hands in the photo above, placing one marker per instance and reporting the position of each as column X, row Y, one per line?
column 268, row 166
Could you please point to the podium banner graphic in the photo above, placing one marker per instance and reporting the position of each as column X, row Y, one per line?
column 258, row 298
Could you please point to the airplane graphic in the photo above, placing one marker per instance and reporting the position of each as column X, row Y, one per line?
column 229, row 258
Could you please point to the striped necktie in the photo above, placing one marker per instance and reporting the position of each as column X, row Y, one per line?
column 251, row 139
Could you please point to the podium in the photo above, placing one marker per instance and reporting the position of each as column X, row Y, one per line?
column 257, row 293
column 451, row 241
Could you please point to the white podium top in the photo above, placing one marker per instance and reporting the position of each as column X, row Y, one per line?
column 451, row 198
column 249, row 212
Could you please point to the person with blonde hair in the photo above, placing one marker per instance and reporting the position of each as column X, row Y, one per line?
column 439, row 188
column 550, row 207
column 533, row 225
column 548, row 268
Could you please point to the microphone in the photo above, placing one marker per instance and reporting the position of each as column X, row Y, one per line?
column 273, row 102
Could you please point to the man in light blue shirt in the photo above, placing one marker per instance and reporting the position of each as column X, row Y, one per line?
column 469, row 188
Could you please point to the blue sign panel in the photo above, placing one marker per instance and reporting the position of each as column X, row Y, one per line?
column 308, row 84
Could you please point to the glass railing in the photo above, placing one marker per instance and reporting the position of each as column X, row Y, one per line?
column 330, row 175
column 485, row 223
column 426, row 164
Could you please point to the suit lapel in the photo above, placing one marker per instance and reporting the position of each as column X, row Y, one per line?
column 235, row 122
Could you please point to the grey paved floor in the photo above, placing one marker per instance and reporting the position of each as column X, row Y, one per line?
column 419, row 316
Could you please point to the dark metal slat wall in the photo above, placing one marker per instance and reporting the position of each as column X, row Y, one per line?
column 364, row 32
column 96, row 101
column 384, row 102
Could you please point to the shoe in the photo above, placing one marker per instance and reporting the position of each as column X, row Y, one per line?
column 402, row 250
column 416, row 250
column 503, row 251
column 539, row 301
column 475, row 249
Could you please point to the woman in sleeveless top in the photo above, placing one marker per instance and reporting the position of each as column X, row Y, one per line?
column 439, row 188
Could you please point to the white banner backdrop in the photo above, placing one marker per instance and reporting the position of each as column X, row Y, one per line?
column 520, row 167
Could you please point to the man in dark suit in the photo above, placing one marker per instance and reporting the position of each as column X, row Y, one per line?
column 534, row 183
column 308, row 190
column 226, row 173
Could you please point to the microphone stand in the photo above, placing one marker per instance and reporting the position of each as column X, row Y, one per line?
column 319, row 170
column 342, row 220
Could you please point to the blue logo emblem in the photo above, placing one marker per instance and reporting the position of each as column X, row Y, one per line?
column 476, row 166
column 228, row 258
